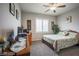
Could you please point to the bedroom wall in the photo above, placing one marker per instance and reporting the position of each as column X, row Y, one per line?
column 65, row 25
column 32, row 17
column 7, row 20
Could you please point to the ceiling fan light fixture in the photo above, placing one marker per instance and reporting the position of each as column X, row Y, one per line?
column 54, row 11
column 52, row 8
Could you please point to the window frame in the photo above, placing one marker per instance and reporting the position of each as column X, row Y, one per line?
column 42, row 26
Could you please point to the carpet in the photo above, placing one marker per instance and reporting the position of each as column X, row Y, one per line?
column 41, row 49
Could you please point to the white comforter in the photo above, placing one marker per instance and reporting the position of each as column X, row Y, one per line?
column 57, row 37
column 60, row 41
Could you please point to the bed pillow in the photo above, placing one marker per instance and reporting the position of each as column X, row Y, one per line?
column 61, row 33
column 66, row 33
column 72, row 34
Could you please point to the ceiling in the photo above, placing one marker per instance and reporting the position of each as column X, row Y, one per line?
column 39, row 8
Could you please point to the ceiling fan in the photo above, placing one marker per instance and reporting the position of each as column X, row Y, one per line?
column 54, row 6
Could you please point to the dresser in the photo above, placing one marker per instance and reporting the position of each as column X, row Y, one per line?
column 30, row 38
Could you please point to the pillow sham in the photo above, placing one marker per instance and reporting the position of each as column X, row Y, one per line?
column 72, row 34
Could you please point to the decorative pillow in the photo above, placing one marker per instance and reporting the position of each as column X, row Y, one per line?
column 66, row 34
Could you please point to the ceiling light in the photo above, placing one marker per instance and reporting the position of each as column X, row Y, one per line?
column 52, row 8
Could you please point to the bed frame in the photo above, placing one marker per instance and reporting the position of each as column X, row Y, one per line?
column 48, row 44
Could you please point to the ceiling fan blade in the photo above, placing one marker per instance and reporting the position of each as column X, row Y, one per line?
column 62, row 6
column 51, row 4
column 47, row 10
column 46, row 5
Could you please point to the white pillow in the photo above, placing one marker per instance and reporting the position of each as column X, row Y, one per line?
column 61, row 33
column 72, row 34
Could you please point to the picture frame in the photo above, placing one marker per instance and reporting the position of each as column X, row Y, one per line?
column 69, row 18
column 12, row 8
column 52, row 23
column 17, row 14
column 29, row 24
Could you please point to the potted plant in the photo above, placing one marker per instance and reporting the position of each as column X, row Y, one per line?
column 55, row 28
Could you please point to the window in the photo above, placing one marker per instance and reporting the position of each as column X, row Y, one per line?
column 38, row 25
column 41, row 25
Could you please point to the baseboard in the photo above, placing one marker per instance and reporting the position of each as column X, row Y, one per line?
column 36, row 39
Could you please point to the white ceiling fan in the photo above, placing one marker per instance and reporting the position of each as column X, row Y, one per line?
column 54, row 6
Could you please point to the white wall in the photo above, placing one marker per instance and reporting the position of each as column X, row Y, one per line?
column 74, row 25
column 7, row 20
column 32, row 17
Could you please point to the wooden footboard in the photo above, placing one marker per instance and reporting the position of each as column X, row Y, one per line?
column 48, row 44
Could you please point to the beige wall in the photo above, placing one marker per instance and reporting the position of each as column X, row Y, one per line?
column 7, row 20
column 65, row 25
column 32, row 17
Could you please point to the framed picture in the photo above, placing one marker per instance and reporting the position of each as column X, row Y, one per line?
column 12, row 8
column 17, row 14
column 52, row 23
column 69, row 18
column 29, row 24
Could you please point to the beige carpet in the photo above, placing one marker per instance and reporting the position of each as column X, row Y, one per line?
column 40, row 49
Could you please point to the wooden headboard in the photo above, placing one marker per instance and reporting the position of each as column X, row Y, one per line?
column 73, row 31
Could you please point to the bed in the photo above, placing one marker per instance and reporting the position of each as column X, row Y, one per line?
column 61, row 40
